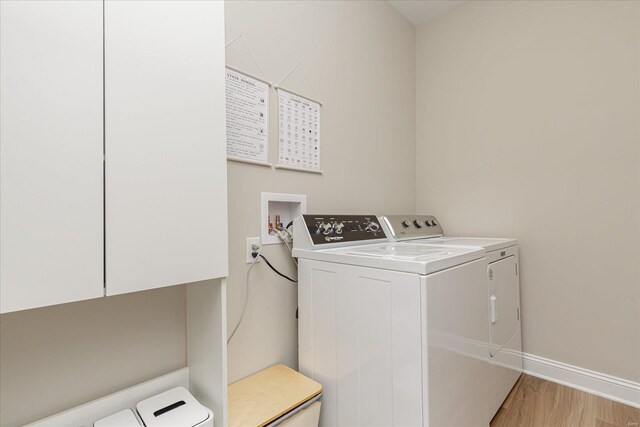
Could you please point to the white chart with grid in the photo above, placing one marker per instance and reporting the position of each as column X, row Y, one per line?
column 299, row 131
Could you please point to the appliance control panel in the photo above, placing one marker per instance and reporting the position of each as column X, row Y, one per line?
column 400, row 227
column 324, row 229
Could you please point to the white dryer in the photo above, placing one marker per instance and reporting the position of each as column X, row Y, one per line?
column 395, row 332
column 504, row 348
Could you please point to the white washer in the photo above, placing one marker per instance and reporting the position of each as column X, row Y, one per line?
column 504, row 350
column 395, row 332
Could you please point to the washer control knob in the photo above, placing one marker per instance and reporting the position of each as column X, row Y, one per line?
column 320, row 228
column 417, row 223
column 337, row 227
column 405, row 224
column 433, row 223
column 327, row 228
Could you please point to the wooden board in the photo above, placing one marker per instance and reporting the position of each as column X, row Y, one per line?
column 263, row 397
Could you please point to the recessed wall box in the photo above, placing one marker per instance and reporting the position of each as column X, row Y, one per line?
column 278, row 210
column 174, row 408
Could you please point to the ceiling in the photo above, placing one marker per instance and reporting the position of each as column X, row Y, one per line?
column 420, row 11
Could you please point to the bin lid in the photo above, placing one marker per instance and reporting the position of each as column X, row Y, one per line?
column 173, row 408
column 267, row 395
column 124, row 418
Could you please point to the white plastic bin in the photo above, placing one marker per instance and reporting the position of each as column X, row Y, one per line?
column 174, row 408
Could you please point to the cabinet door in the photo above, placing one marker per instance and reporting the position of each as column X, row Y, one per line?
column 51, row 203
column 166, row 201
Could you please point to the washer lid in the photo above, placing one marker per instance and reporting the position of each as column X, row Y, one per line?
column 397, row 256
column 403, row 252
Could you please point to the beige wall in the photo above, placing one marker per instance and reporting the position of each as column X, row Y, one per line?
column 55, row 358
column 528, row 125
column 359, row 58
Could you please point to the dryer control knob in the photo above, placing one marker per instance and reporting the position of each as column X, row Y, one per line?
column 417, row 223
column 405, row 224
column 372, row 226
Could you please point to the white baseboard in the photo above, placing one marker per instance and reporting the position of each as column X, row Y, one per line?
column 607, row 386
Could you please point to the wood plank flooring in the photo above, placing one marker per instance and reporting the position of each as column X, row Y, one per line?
column 535, row 402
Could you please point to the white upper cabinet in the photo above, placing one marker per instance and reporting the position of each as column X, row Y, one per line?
column 158, row 215
column 165, row 192
column 51, row 136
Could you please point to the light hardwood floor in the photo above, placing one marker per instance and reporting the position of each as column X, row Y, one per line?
column 535, row 402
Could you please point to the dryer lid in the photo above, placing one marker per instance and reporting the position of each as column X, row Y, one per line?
column 488, row 244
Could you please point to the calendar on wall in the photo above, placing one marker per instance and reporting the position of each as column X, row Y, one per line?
column 299, row 132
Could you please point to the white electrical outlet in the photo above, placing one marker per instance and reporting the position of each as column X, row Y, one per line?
column 253, row 242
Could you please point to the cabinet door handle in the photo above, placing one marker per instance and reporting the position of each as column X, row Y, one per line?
column 492, row 309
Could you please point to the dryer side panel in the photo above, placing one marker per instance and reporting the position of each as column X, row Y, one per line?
column 504, row 304
column 504, row 325
column 457, row 336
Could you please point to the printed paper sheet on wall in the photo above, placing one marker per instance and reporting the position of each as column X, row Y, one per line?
column 299, row 131
column 247, row 118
